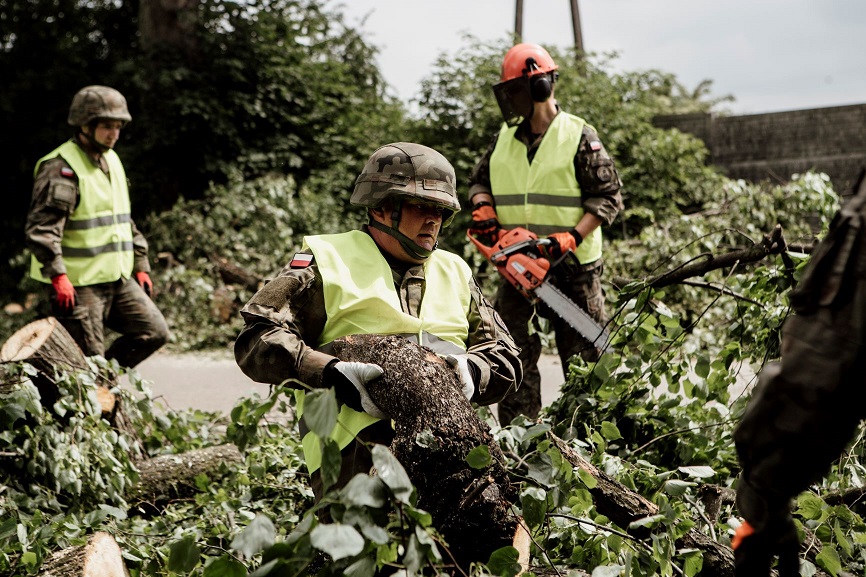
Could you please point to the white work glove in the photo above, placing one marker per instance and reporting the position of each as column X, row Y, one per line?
column 349, row 380
column 461, row 365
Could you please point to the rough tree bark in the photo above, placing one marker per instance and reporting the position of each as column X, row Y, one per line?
column 471, row 507
column 100, row 557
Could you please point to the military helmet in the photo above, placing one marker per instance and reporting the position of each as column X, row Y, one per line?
column 409, row 170
column 93, row 102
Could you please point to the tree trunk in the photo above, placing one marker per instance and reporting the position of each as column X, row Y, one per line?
column 50, row 349
column 471, row 507
column 623, row 506
column 169, row 477
column 101, row 557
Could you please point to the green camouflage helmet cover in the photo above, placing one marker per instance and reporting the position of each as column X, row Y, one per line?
column 410, row 170
column 92, row 102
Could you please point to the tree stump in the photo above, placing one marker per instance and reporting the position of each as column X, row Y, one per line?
column 49, row 348
column 101, row 557
column 435, row 428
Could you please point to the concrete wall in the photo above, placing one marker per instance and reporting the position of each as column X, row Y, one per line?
column 776, row 145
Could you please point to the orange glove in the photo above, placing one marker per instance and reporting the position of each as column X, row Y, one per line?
column 485, row 222
column 754, row 550
column 741, row 533
column 66, row 295
column 563, row 242
column 144, row 280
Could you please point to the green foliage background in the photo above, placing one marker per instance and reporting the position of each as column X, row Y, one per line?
column 239, row 149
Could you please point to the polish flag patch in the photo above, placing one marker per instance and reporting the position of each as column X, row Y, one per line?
column 594, row 145
column 67, row 172
column 301, row 260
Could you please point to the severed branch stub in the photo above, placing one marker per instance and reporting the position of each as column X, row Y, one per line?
column 421, row 392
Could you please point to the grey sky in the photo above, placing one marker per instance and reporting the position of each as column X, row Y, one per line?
column 771, row 55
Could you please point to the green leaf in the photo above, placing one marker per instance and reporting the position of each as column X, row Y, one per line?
column 699, row 472
column 693, row 563
column 29, row 559
column 610, row 431
column 828, row 559
column 365, row 491
column 533, row 501
column 648, row 521
column 504, row 562
column 427, row 439
column 676, row 488
column 115, row 512
column 337, row 540
column 225, row 566
column 608, row 571
column 810, row 506
column 587, row 479
column 702, row 368
column 183, row 555
column 320, row 411
column 258, row 535
column 363, row 567
column 479, row 457
column 392, row 473
column 332, row 462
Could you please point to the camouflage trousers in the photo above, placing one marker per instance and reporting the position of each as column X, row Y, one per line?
column 121, row 306
column 582, row 284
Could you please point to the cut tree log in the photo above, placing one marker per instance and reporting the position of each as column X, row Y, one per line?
column 50, row 349
column 435, row 429
column 623, row 506
column 165, row 478
column 100, row 557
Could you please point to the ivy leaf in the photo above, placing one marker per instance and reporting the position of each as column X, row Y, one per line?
column 702, row 368
column 479, row 457
column 225, row 566
column 363, row 567
column 810, row 506
column 504, row 562
column 320, row 411
column 258, row 535
column 699, row 472
column 183, row 555
column 392, row 473
column 365, row 491
column 337, row 540
column 118, row 514
column 533, row 501
column 608, row 571
column 694, row 562
column 828, row 559
column 676, row 488
column 332, row 462
column 610, row 431
column 648, row 521
column 587, row 479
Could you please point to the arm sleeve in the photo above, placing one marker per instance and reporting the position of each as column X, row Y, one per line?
column 54, row 198
column 596, row 174
column 492, row 350
column 139, row 248
column 479, row 178
column 279, row 321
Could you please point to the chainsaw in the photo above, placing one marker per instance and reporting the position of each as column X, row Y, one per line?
column 517, row 258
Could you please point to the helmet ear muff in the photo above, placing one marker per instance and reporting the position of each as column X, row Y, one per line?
column 540, row 87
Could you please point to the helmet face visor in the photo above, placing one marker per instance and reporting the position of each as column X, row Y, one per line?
column 514, row 99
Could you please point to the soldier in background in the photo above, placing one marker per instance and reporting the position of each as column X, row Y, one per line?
column 805, row 408
column 84, row 244
column 546, row 171
column 388, row 278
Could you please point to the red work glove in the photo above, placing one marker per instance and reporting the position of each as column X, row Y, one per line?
column 563, row 242
column 66, row 296
column 144, row 280
column 485, row 224
column 754, row 550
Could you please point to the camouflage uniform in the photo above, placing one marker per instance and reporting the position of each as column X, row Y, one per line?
column 806, row 408
column 121, row 305
column 600, row 194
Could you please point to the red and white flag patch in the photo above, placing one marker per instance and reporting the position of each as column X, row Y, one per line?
column 301, row 260
column 594, row 145
column 67, row 172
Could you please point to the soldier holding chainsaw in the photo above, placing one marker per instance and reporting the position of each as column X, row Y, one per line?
column 546, row 171
column 388, row 278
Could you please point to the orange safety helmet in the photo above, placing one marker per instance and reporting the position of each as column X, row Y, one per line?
column 517, row 62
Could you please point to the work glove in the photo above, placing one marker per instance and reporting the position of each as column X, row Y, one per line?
column 754, row 550
column 349, row 380
column 144, row 280
column 66, row 295
column 563, row 242
column 464, row 369
column 485, row 224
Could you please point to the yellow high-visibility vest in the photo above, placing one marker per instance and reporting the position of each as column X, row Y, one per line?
column 544, row 196
column 360, row 298
column 97, row 241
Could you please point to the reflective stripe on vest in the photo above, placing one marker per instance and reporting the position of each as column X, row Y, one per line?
column 97, row 240
column 544, row 196
column 360, row 298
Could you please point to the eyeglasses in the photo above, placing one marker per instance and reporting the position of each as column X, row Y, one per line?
column 425, row 209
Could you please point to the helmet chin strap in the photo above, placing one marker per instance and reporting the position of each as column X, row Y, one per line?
column 412, row 248
column 91, row 141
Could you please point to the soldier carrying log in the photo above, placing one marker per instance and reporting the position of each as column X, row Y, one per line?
column 388, row 278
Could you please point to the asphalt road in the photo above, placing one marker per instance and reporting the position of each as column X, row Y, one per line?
column 214, row 382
